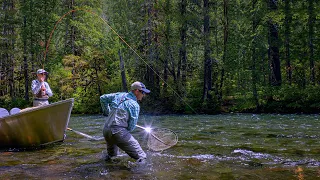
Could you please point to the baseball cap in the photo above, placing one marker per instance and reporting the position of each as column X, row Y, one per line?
column 40, row 71
column 140, row 86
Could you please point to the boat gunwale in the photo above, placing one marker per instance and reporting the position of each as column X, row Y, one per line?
column 39, row 107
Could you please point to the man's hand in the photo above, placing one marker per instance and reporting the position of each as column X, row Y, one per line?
column 43, row 87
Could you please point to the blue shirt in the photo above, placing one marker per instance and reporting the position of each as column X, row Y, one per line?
column 128, row 102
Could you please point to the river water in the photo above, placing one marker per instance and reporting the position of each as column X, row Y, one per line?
column 231, row 146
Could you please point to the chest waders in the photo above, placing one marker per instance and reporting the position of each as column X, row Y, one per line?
column 118, row 117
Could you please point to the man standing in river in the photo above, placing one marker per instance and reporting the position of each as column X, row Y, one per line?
column 123, row 113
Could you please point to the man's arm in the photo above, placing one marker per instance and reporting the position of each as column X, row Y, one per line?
column 35, row 86
column 134, row 109
column 48, row 90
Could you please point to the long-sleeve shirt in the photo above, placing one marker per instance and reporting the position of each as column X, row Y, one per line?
column 36, row 86
column 126, row 101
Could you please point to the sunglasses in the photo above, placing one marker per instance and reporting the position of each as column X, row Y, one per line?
column 142, row 92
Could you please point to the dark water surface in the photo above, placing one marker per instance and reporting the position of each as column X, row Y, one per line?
column 232, row 146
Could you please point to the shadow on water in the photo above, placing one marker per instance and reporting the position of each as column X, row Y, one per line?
column 233, row 146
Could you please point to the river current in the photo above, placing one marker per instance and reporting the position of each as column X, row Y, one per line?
column 228, row 146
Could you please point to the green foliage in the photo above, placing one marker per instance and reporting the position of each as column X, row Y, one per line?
column 86, row 102
column 59, row 83
column 8, row 103
column 243, row 103
column 292, row 99
column 84, row 50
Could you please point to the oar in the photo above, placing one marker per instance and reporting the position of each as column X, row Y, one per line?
column 86, row 135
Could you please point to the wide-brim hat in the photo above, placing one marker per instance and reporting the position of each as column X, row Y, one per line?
column 140, row 86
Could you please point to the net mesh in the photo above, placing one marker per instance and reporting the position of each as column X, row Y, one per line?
column 160, row 139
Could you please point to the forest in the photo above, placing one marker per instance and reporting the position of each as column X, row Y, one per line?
column 196, row 57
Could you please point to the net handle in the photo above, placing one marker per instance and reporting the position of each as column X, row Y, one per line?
column 141, row 127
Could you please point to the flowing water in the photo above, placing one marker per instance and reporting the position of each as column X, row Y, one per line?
column 232, row 146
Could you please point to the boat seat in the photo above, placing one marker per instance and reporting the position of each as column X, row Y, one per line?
column 3, row 112
column 14, row 111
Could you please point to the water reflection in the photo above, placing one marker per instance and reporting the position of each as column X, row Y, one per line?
column 233, row 146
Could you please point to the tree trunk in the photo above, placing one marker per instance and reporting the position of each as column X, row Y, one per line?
column 25, row 60
column 156, row 83
column 168, row 49
column 225, row 40
column 254, row 58
column 183, row 40
column 45, row 35
column 287, row 25
column 182, row 61
column 151, row 51
column 98, row 82
column 8, row 45
column 73, row 31
column 215, row 63
column 32, row 34
column 123, row 73
column 72, row 38
column 273, row 51
column 207, row 79
column 311, row 21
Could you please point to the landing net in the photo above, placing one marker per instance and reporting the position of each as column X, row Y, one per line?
column 160, row 139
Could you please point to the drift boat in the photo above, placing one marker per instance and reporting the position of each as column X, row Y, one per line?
column 36, row 126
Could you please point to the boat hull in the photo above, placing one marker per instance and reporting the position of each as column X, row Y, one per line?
column 36, row 126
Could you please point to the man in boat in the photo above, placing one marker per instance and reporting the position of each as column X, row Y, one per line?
column 123, row 113
column 41, row 89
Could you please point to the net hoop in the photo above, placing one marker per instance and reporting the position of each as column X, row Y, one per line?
column 160, row 139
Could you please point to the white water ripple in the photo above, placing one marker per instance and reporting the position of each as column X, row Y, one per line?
column 246, row 156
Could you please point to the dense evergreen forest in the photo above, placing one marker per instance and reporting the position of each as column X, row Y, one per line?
column 207, row 56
